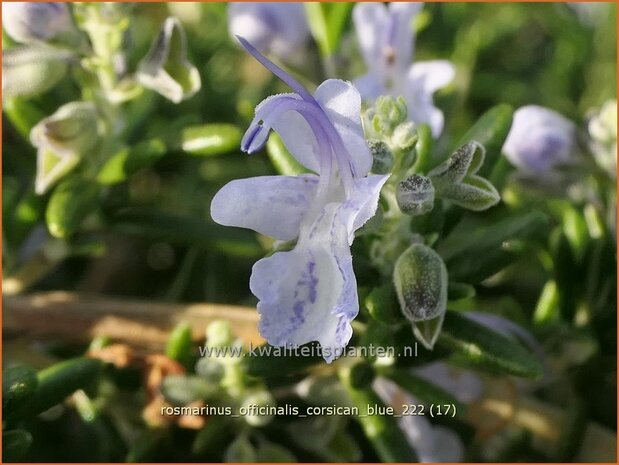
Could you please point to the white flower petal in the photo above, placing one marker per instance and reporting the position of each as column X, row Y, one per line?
column 298, row 291
column 299, row 139
column 361, row 203
column 270, row 205
column 342, row 103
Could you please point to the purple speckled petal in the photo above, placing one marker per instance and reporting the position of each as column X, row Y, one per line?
column 298, row 291
column 271, row 205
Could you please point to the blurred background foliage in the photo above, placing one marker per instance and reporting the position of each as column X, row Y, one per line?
column 153, row 237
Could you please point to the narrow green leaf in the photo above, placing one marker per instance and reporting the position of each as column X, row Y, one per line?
column 476, row 234
column 491, row 130
column 61, row 380
column 180, row 344
column 210, row 139
column 425, row 390
column 23, row 115
column 281, row 158
column 478, row 345
column 382, row 431
column 70, row 203
column 128, row 161
column 185, row 230
column 459, row 291
column 327, row 22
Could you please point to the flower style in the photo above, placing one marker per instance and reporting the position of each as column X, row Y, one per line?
column 539, row 140
column 277, row 28
column 308, row 293
column 386, row 38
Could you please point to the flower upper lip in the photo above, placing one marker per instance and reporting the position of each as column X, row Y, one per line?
column 327, row 137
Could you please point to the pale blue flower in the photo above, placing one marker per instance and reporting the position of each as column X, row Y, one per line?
column 280, row 29
column 309, row 293
column 386, row 37
column 28, row 22
column 539, row 140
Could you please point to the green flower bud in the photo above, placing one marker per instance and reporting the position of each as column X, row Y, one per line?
column 33, row 70
column 219, row 334
column 415, row 195
column 381, row 155
column 252, row 404
column 165, row 69
column 420, row 278
column 405, row 136
column 62, row 139
column 71, row 202
column 393, row 110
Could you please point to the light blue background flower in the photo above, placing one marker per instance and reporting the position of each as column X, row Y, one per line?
column 385, row 35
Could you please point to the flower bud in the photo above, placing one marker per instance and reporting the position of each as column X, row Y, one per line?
column 405, row 136
column 219, row 334
column 539, row 140
column 277, row 28
column 165, row 69
column 28, row 22
column 33, row 70
column 415, row 195
column 393, row 110
column 603, row 133
column 420, row 279
column 253, row 403
column 62, row 139
column 382, row 158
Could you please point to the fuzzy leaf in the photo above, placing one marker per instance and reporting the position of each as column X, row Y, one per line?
column 474, row 193
column 420, row 279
